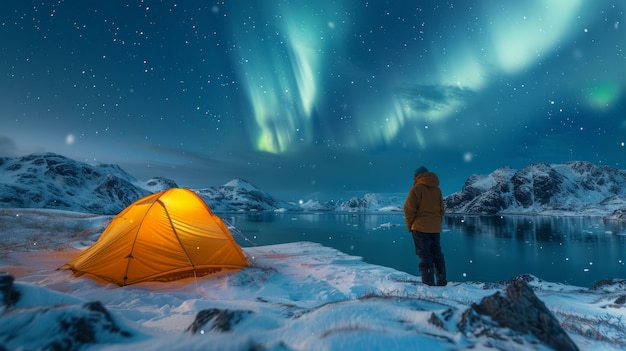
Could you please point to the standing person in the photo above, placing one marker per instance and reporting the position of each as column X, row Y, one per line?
column 423, row 213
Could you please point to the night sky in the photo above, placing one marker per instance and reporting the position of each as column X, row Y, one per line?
column 314, row 99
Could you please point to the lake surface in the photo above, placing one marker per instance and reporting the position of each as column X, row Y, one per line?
column 577, row 251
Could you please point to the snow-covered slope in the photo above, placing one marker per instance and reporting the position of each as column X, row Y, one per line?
column 47, row 180
column 573, row 188
column 372, row 202
column 369, row 203
column 241, row 195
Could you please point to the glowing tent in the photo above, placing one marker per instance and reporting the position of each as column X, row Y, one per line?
column 163, row 236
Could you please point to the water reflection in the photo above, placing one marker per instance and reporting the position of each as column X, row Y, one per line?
column 579, row 251
column 537, row 228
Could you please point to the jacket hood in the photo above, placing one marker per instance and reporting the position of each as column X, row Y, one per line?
column 427, row 178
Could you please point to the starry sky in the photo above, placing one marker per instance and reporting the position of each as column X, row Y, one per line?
column 314, row 99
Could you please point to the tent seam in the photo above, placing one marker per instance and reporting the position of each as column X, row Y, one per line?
column 169, row 218
column 132, row 247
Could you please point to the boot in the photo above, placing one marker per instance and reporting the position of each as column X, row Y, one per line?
column 440, row 271
column 428, row 276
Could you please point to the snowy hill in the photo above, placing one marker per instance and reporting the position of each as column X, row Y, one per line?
column 47, row 180
column 573, row 188
column 372, row 202
column 241, row 195
column 369, row 203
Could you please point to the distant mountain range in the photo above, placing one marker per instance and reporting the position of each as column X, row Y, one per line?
column 241, row 195
column 571, row 189
column 47, row 180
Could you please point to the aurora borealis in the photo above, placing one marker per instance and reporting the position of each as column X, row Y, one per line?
column 314, row 99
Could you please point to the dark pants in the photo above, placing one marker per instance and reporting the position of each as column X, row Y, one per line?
column 432, row 264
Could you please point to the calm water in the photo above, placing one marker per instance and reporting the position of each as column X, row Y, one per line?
column 577, row 251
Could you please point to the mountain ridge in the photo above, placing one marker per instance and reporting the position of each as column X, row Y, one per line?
column 575, row 188
column 571, row 188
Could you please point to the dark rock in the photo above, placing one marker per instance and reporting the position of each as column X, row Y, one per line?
column 8, row 295
column 223, row 320
column 434, row 320
column 60, row 327
column 162, row 183
column 602, row 283
column 610, row 285
column 519, row 309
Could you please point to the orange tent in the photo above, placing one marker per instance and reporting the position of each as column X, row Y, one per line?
column 163, row 236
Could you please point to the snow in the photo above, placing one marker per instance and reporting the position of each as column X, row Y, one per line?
column 574, row 189
column 297, row 296
column 243, row 184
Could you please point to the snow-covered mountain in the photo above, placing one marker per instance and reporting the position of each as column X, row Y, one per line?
column 241, row 195
column 372, row 202
column 573, row 188
column 316, row 206
column 47, row 180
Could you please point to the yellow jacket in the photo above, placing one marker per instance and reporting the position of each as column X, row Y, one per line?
column 423, row 208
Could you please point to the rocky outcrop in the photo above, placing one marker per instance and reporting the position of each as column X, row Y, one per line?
column 56, row 326
column 216, row 319
column 8, row 295
column 520, row 311
column 573, row 188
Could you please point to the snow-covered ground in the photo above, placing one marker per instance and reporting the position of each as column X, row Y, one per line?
column 299, row 296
